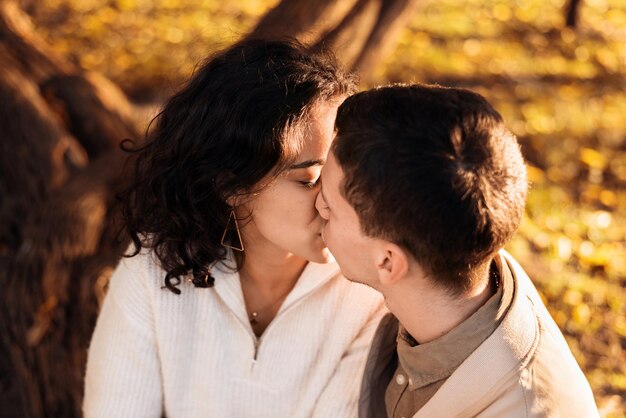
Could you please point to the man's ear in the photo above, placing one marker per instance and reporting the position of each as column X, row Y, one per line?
column 392, row 263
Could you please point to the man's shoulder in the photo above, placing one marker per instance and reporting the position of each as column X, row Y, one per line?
column 524, row 366
column 548, row 382
column 549, row 376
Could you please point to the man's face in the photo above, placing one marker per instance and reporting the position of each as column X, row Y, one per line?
column 342, row 230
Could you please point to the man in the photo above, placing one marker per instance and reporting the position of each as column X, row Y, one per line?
column 421, row 190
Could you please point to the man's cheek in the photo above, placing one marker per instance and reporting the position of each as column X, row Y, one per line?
column 329, row 238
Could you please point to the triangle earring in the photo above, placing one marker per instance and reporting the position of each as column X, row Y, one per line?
column 226, row 242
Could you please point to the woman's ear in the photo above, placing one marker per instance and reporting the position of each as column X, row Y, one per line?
column 240, row 199
column 223, row 184
column 237, row 198
column 392, row 263
column 234, row 200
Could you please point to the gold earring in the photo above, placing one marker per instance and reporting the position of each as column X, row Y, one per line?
column 229, row 244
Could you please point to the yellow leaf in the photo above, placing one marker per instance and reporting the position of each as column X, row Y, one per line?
column 581, row 314
column 564, row 248
column 572, row 297
column 502, row 12
column 535, row 175
column 592, row 158
column 608, row 198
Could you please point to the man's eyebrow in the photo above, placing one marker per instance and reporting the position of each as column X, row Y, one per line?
column 306, row 164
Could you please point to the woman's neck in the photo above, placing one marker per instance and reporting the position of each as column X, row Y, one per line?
column 273, row 271
column 267, row 277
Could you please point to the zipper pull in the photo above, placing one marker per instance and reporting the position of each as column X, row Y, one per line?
column 256, row 352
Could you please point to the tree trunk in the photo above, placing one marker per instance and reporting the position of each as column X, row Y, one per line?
column 35, row 59
column 361, row 32
column 59, row 168
column 304, row 20
column 572, row 13
column 349, row 37
column 393, row 16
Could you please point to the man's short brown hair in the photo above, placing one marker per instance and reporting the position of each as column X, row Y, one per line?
column 434, row 170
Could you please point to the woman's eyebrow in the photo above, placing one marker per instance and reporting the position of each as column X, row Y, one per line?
column 306, row 164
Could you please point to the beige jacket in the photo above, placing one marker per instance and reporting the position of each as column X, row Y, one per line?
column 524, row 369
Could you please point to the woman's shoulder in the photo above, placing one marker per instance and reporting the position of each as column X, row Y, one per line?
column 137, row 271
column 143, row 262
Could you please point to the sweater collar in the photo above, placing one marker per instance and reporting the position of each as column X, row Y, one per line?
column 228, row 285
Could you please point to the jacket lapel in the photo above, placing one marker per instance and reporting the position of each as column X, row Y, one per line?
column 502, row 355
column 382, row 362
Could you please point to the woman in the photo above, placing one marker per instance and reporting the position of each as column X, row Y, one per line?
column 231, row 305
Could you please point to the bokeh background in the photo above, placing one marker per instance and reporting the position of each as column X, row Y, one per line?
column 559, row 85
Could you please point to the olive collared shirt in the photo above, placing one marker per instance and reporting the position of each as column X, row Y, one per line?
column 415, row 371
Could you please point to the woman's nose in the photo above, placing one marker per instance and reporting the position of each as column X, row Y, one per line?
column 321, row 207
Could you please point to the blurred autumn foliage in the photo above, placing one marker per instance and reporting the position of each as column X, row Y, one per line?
column 560, row 89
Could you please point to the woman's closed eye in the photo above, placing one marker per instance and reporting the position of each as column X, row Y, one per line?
column 310, row 184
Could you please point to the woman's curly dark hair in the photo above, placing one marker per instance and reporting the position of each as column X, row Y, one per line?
column 227, row 129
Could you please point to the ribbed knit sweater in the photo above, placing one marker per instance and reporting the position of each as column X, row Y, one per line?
column 195, row 354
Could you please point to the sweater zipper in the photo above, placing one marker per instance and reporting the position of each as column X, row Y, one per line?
column 258, row 341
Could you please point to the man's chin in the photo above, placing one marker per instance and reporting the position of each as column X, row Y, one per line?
column 361, row 282
column 350, row 279
column 323, row 256
column 326, row 256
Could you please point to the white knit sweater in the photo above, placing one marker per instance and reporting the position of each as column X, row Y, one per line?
column 195, row 355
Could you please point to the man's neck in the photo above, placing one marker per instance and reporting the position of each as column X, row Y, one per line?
column 427, row 312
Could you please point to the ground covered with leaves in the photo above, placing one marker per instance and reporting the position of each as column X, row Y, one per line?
column 560, row 90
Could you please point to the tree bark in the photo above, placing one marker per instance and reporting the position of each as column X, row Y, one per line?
column 304, row 20
column 393, row 16
column 93, row 109
column 60, row 167
column 37, row 155
column 349, row 37
column 360, row 32
column 572, row 13
column 36, row 61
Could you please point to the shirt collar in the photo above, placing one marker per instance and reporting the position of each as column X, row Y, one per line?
column 430, row 362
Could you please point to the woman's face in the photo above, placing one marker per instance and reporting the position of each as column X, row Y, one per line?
column 284, row 220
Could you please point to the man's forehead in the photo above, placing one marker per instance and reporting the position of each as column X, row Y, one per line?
column 332, row 176
column 330, row 168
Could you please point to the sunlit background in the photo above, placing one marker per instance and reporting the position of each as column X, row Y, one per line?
column 561, row 91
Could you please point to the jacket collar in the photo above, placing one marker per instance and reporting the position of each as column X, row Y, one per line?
column 504, row 353
column 382, row 361
column 436, row 360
